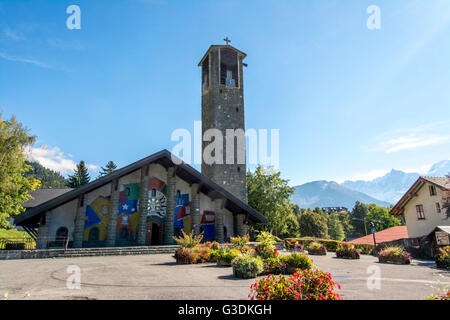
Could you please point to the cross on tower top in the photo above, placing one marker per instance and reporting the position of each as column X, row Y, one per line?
column 227, row 41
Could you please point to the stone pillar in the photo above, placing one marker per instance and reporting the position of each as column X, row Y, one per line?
column 195, row 208
column 143, row 199
column 79, row 222
column 43, row 232
column 218, row 221
column 170, row 208
column 240, row 226
column 113, row 213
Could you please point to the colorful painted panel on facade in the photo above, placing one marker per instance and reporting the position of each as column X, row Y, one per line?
column 128, row 212
column 207, row 225
column 156, row 204
column 182, row 214
column 96, row 222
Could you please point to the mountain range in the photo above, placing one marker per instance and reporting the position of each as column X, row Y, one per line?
column 383, row 191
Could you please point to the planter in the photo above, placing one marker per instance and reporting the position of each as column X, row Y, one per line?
column 242, row 276
column 184, row 261
column 393, row 261
column 352, row 256
column 317, row 252
column 223, row 263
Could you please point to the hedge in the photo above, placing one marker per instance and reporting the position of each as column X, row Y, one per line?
column 331, row 245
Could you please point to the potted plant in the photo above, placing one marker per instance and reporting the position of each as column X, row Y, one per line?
column 297, row 260
column 394, row 255
column 443, row 258
column 315, row 248
column 347, row 251
column 247, row 266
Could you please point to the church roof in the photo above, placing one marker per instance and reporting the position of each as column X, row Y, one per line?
column 215, row 46
column 42, row 195
column 164, row 157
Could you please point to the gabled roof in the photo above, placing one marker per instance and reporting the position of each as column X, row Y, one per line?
column 164, row 157
column 440, row 182
column 42, row 195
column 390, row 234
column 214, row 46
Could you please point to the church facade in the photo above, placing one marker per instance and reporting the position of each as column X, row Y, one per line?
column 150, row 201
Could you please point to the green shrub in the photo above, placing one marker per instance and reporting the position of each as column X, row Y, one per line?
column 239, row 242
column 266, row 247
column 394, row 255
column 247, row 266
column 225, row 255
column 330, row 245
column 188, row 240
column 443, row 258
column 316, row 248
column 298, row 260
column 347, row 251
column 303, row 285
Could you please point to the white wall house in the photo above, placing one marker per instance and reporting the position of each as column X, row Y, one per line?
column 422, row 206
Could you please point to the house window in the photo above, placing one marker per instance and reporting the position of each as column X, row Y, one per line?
column 438, row 207
column 420, row 213
column 433, row 191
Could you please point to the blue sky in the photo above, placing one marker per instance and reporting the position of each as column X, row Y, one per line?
column 349, row 102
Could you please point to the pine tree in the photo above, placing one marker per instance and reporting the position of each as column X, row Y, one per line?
column 335, row 228
column 109, row 168
column 80, row 176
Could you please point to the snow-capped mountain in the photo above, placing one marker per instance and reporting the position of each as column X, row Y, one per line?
column 329, row 194
column 395, row 183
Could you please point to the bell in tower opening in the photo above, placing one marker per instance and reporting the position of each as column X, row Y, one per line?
column 223, row 110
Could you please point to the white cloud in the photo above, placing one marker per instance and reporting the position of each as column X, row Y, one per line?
column 54, row 159
column 24, row 60
column 412, row 138
column 12, row 35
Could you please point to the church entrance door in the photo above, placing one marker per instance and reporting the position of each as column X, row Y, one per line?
column 153, row 234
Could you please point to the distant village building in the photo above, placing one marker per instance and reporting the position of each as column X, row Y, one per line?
column 150, row 201
column 334, row 209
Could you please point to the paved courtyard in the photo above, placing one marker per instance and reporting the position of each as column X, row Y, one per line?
column 158, row 277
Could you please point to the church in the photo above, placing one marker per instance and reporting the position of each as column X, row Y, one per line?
column 151, row 200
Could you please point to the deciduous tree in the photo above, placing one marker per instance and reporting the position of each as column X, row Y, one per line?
column 14, row 185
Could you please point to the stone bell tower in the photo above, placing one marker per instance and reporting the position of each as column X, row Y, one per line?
column 223, row 109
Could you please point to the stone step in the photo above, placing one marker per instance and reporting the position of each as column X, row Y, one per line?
column 91, row 252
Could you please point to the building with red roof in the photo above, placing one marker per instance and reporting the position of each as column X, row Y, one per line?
column 391, row 234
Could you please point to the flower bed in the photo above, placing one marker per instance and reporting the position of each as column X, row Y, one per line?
column 394, row 255
column 275, row 265
column 247, row 266
column 347, row 251
column 303, row 285
column 185, row 256
column 443, row 258
column 316, row 248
